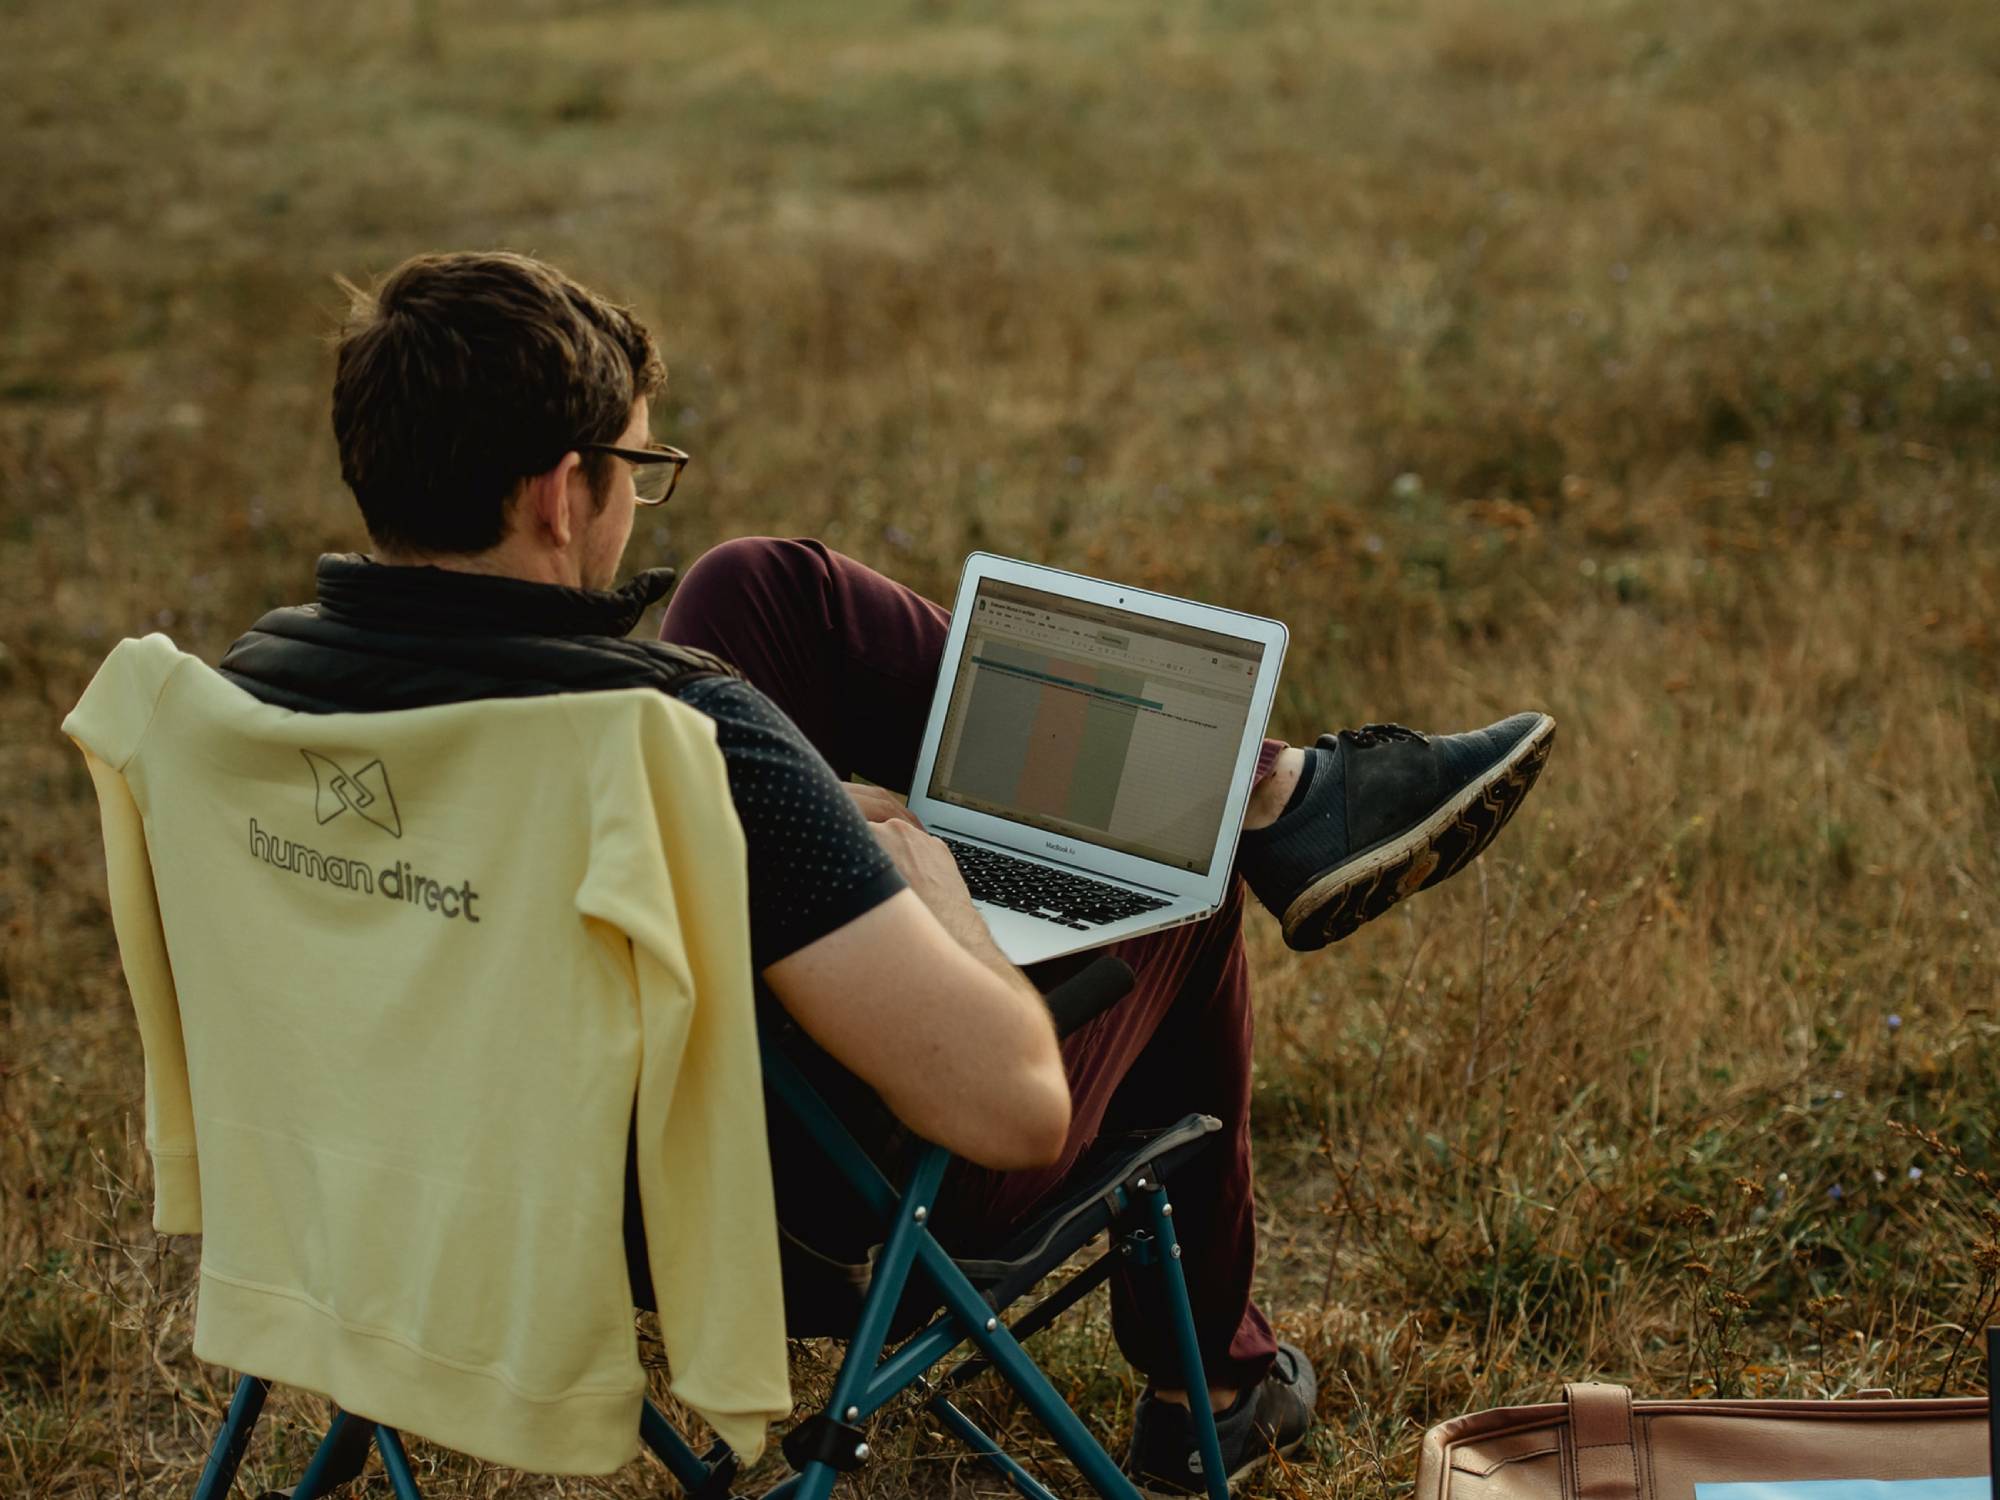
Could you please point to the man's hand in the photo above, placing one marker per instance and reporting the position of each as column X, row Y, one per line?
column 927, row 865
column 923, row 860
column 878, row 806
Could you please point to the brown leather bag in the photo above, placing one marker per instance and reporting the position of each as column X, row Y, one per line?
column 1597, row 1443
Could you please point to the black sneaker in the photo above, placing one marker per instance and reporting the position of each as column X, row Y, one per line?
column 1388, row 812
column 1271, row 1417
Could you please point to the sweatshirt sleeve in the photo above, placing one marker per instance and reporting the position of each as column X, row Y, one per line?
column 108, row 724
column 142, row 946
column 667, row 869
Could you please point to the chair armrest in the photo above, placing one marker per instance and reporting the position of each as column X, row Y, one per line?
column 1088, row 993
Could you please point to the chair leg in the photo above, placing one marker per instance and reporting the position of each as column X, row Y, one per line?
column 909, row 1241
column 1038, row 1317
column 227, row 1453
column 341, row 1456
column 906, row 1241
column 997, row 1343
column 695, row 1475
column 389, row 1443
column 1168, row 1250
column 974, row 1437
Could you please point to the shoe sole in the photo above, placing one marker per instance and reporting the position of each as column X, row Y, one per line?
column 1361, row 889
column 1237, row 1476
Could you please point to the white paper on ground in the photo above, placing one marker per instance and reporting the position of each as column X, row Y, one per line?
column 1974, row 1487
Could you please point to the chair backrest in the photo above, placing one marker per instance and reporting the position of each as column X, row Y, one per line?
column 405, row 983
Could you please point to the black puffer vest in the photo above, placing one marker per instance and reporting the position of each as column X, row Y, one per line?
column 391, row 638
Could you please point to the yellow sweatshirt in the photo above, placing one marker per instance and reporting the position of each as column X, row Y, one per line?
column 401, row 979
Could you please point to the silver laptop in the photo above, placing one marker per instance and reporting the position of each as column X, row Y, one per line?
column 1090, row 752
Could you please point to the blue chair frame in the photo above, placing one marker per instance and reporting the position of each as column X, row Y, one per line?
column 831, row 1442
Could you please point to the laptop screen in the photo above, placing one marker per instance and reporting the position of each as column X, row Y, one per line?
column 1093, row 722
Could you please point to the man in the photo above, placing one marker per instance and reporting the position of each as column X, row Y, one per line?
column 493, row 421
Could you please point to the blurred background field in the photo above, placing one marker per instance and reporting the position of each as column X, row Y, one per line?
column 1629, row 359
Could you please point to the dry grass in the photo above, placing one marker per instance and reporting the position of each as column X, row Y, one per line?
column 1635, row 360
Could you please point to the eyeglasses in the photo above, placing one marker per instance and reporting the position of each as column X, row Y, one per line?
column 655, row 471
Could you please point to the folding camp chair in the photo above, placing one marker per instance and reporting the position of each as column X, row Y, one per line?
column 949, row 1305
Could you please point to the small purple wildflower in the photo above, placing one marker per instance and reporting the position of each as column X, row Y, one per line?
column 1894, row 1022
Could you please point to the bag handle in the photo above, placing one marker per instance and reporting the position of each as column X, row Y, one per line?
column 1604, row 1459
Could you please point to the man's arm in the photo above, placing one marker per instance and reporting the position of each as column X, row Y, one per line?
column 866, row 936
column 913, row 998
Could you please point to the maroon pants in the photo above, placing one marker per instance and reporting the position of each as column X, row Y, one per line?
column 853, row 657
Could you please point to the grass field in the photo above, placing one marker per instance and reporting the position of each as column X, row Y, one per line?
column 1630, row 359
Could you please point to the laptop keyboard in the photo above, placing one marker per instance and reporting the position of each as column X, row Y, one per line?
column 1053, row 895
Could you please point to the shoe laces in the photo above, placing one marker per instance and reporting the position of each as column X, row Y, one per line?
column 1376, row 734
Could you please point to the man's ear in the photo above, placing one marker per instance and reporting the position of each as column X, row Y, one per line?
column 545, row 501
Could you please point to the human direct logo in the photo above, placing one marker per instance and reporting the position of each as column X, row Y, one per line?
column 399, row 880
column 366, row 793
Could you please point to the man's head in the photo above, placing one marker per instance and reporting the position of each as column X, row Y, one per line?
column 463, row 388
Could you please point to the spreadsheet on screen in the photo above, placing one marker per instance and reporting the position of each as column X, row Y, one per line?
column 1096, row 722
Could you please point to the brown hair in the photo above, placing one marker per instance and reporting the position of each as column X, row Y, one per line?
column 463, row 374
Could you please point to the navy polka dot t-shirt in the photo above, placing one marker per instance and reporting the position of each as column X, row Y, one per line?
column 813, row 864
